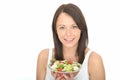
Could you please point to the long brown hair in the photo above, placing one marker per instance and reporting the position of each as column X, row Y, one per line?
column 78, row 17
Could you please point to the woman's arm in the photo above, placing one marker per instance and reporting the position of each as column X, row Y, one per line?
column 96, row 67
column 41, row 65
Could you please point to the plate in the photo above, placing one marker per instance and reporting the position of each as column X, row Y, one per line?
column 64, row 66
column 62, row 71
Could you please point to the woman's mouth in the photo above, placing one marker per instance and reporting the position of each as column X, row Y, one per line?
column 68, row 40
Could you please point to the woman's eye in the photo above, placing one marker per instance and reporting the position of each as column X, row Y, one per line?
column 62, row 27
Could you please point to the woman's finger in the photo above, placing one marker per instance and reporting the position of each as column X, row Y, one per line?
column 57, row 78
column 68, row 76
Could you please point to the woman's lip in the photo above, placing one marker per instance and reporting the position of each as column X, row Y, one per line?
column 69, row 40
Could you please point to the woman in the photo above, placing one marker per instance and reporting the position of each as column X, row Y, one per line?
column 70, row 37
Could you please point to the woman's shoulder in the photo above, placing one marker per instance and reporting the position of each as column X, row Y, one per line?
column 41, row 63
column 95, row 64
column 44, row 51
column 43, row 55
column 94, row 56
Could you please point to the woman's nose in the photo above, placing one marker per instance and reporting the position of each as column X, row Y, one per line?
column 68, row 32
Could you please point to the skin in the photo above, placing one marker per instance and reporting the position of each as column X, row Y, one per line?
column 69, row 34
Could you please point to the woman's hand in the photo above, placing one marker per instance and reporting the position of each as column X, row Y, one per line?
column 63, row 76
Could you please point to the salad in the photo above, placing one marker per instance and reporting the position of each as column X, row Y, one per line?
column 65, row 66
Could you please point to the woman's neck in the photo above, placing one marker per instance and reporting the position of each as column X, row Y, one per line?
column 70, row 53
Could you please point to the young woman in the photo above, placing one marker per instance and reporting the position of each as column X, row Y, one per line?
column 70, row 37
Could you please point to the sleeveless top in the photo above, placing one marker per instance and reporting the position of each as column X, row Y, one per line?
column 82, row 74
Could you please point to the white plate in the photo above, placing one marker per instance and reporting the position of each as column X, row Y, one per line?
column 62, row 71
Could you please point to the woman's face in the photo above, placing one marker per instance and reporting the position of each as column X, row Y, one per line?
column 67, row 30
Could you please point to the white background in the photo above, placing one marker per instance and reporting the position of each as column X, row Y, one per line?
column 25, row 29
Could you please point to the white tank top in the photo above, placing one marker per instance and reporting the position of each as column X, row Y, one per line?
column 82, row 74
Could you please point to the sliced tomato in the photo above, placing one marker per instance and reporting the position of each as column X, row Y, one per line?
column 70, row 62
column 59, row 69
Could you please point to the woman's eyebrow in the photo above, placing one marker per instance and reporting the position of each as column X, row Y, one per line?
column 60, row 25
